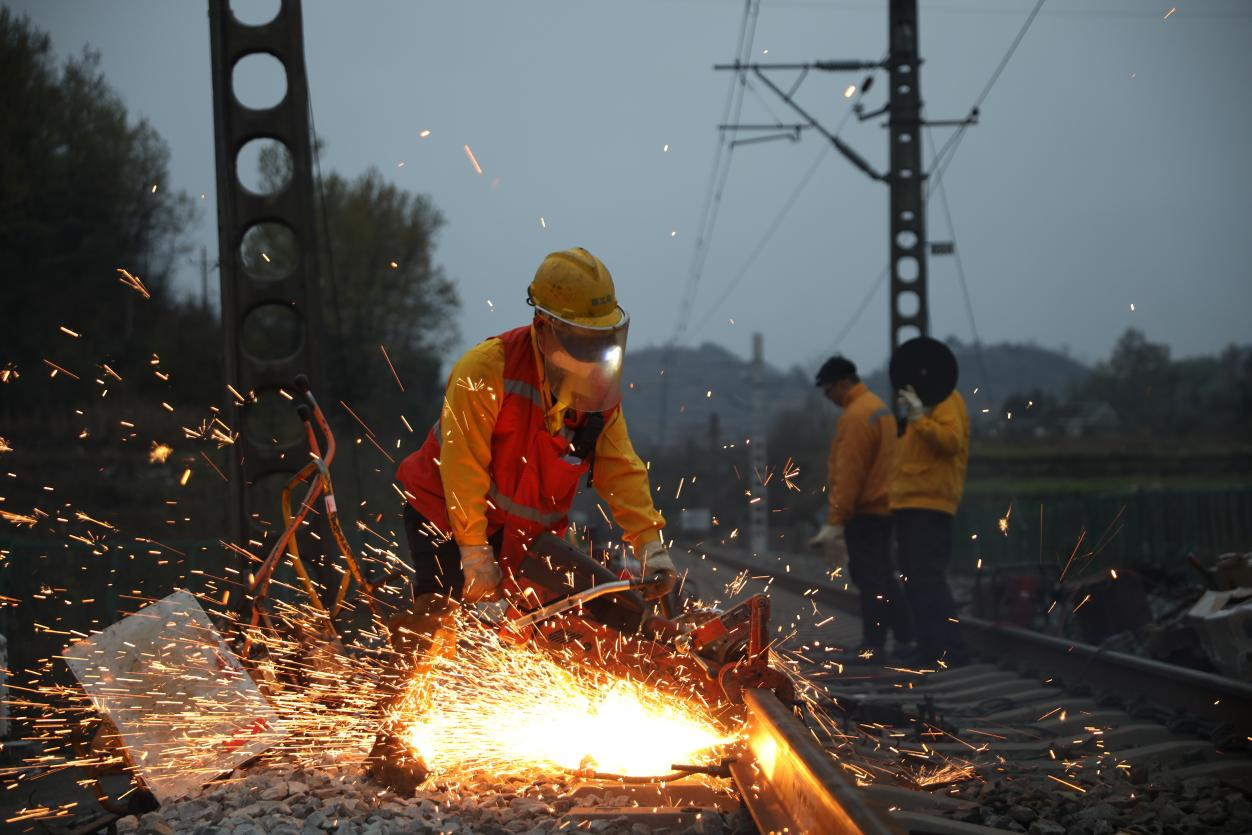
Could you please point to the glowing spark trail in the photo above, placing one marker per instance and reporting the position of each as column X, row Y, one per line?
column 473, row 160
column 513, row 709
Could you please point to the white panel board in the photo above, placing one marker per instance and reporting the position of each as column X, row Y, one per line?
column 184, row 706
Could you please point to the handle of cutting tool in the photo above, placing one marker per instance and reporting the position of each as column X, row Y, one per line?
column 577, row 599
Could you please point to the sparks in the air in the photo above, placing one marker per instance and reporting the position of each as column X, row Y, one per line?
column 514, row 709
column 473, row 160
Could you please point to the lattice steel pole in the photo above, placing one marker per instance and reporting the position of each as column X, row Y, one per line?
column 910, row 311
column 268, row 258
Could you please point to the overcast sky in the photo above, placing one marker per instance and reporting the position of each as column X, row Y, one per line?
column 1110, row 167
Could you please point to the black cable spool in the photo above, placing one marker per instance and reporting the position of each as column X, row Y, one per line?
column 928, row 366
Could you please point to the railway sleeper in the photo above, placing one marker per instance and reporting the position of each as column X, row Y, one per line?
column 1132, row 735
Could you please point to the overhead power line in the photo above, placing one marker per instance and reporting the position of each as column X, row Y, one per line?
column 771, row 229
column 719, row 173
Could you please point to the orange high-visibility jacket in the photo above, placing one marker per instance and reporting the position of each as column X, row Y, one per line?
column 860, row 458
column 931, row 459
column 497, row 458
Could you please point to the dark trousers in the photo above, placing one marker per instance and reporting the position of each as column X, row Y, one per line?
column 924, row 548
column 882, row 599
column 436, row 556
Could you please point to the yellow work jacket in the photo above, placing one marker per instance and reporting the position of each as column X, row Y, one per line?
column 471, row 405
column 860, row 458
column 930, row 461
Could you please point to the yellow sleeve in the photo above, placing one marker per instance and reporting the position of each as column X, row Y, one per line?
column 853, row 439
column 943, row 429
column 470, row 407
column 621, row 479
column 832, row 464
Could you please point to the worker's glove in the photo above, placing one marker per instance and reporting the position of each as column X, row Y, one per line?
column 829, row 540
column 828, row 533
column 482, row 572
column 912, row 404
column 658, row 570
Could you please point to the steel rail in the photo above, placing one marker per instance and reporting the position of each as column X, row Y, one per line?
column 1203, row 695
column 789, row 783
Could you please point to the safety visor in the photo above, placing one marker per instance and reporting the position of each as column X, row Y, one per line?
column 583, row 364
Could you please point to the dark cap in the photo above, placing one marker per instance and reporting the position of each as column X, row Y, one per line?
column 836, row 369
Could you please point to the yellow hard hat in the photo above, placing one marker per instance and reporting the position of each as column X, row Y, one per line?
column 575, row 286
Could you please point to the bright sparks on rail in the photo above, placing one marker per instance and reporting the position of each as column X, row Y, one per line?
column 513, row 709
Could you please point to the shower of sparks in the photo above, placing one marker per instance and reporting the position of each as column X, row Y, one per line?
column 1170, row 13
column 514, row 709
column 134, row 283
column 850, row 91
column 18, row 518
column 383, row 348
column 473, row 160
column 424, row 134
column 943, row 774
column 159, row 453
column 1068, row 784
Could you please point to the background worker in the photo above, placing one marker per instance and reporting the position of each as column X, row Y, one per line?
column 926, row 486
column 527, row 415
column 857, row 531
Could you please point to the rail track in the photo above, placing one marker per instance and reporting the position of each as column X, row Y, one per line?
column 1040, row 735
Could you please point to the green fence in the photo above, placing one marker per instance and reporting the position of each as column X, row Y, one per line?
column 1157, row 527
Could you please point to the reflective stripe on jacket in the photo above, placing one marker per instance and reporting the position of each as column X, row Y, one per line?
column 860, row 458
column 931, row 458
column 498, row 459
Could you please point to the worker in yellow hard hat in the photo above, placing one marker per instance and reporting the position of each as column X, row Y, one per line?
column 527, row 415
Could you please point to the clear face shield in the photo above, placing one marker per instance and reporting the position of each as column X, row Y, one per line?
column 583, row 364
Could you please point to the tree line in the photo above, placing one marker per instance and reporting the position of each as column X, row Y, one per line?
column 101, row 356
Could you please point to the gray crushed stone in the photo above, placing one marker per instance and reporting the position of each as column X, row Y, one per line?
column 1153, row 804
column 283, row 799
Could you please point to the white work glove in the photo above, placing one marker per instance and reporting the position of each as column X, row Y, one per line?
column 829, row 540
column 482, row 572
column 658, row 568
column 828, row 533
column 908, row 398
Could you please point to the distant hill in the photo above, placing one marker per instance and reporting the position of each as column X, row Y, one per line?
column 702, row 382
column 711, row 381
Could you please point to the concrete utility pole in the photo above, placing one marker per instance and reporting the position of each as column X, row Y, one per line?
column 264, row 293
column 758, row 461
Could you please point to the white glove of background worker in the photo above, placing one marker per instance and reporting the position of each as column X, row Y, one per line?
column 656, row 561
column 482, row 572
column 908, row 398
column 833, row 546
